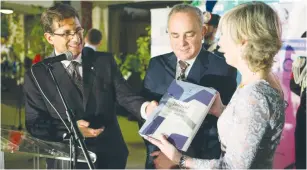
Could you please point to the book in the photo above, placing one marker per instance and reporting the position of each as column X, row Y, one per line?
column 180, row 113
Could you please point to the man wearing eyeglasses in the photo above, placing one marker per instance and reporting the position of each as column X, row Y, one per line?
column 90, row 84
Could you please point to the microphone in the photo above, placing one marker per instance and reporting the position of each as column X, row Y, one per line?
column 65, row 56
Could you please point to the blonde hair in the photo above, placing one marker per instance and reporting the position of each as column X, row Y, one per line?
column 259, row 25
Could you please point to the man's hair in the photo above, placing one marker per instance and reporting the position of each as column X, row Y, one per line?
column 94, row 36
column 187, row 8
column 214, row 19
column 57, row 13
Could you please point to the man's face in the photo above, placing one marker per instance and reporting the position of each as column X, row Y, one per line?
column 185, row 35
column 67, row 36
column 210, row 33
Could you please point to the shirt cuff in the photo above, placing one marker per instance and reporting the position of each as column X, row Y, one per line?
column 143, row 110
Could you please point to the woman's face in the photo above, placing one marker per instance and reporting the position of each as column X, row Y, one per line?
column 231, row 49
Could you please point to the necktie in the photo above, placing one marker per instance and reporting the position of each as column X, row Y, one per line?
column 75, row 75
column 183, row 66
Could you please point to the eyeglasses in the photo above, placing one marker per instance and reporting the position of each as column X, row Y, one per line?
column 70, row 35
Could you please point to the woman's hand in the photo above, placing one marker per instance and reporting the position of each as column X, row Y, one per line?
column 167, row 148
column 217, row 107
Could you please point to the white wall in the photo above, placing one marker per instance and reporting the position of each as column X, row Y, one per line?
column 160, row 43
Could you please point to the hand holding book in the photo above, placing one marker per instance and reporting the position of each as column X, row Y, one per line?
column 180, row 113
column 217, row 107
column 166, row 147
column 151, row 107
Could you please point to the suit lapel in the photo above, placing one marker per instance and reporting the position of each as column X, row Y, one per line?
column 69, row 89
column 70, row 92
column 88, row 81
column 59, row 72
column 88, row 66
column 170, row 67
column 199, row 67
column 61, row 75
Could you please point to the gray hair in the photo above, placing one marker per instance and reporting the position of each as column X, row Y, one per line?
column 187, row 8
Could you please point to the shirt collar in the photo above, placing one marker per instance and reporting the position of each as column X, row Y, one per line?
column 89, row 45
column 191, row 61
column 66, row 62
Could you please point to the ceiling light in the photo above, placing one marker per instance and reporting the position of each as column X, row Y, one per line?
column 6, row 11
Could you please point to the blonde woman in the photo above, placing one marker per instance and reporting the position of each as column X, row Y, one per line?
column 250, row 126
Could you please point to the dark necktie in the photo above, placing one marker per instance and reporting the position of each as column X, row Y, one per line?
column 75, row 74
column 183, row 66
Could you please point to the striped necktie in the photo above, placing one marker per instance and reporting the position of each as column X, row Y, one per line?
column 75, row 74
column 183, row 66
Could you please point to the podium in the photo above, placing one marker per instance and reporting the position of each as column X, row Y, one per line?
column 20, row 142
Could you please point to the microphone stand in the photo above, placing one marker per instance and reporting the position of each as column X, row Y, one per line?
column 20, row 94
column 75, row 136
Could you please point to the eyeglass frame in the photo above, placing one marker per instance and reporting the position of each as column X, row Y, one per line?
column 68, row 35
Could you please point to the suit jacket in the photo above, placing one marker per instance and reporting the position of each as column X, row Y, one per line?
column 215, row 50
column 103, row 86
column 208, row 70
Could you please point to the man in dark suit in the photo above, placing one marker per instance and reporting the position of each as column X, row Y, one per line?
column 211, row 22
column 90, row 89
column 191, row 63
column 93, row 38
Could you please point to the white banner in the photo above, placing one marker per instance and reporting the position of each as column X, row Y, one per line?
column 160, row 43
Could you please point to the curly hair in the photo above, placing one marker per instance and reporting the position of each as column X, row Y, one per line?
column 259, row 25
column 56, row 13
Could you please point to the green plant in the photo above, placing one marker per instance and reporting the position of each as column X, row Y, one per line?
column 4, row 26
column 38, row 43
column 195, row 2
column 139, row 61
column 16, row 34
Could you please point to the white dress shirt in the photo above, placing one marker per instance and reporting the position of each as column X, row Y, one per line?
column 66, row 62
column 90, row 46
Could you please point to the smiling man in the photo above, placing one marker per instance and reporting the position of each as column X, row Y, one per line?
column 188, row 62
column 91, row 84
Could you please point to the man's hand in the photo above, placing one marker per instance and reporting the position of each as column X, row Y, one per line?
column 150, row 107
column 86, row 131
column 168, row 149
column 162, row 161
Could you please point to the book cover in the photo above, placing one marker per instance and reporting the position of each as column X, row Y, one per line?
column 180, row 113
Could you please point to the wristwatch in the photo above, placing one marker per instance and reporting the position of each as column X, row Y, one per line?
column 182, row 162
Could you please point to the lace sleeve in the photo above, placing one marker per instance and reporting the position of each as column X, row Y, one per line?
column 250, row 120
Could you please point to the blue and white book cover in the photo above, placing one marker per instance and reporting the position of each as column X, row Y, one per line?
column 180, row 113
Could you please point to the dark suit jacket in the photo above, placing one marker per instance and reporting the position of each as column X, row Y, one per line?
column 215, row 51
column 103, row 85
column 208, row 70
